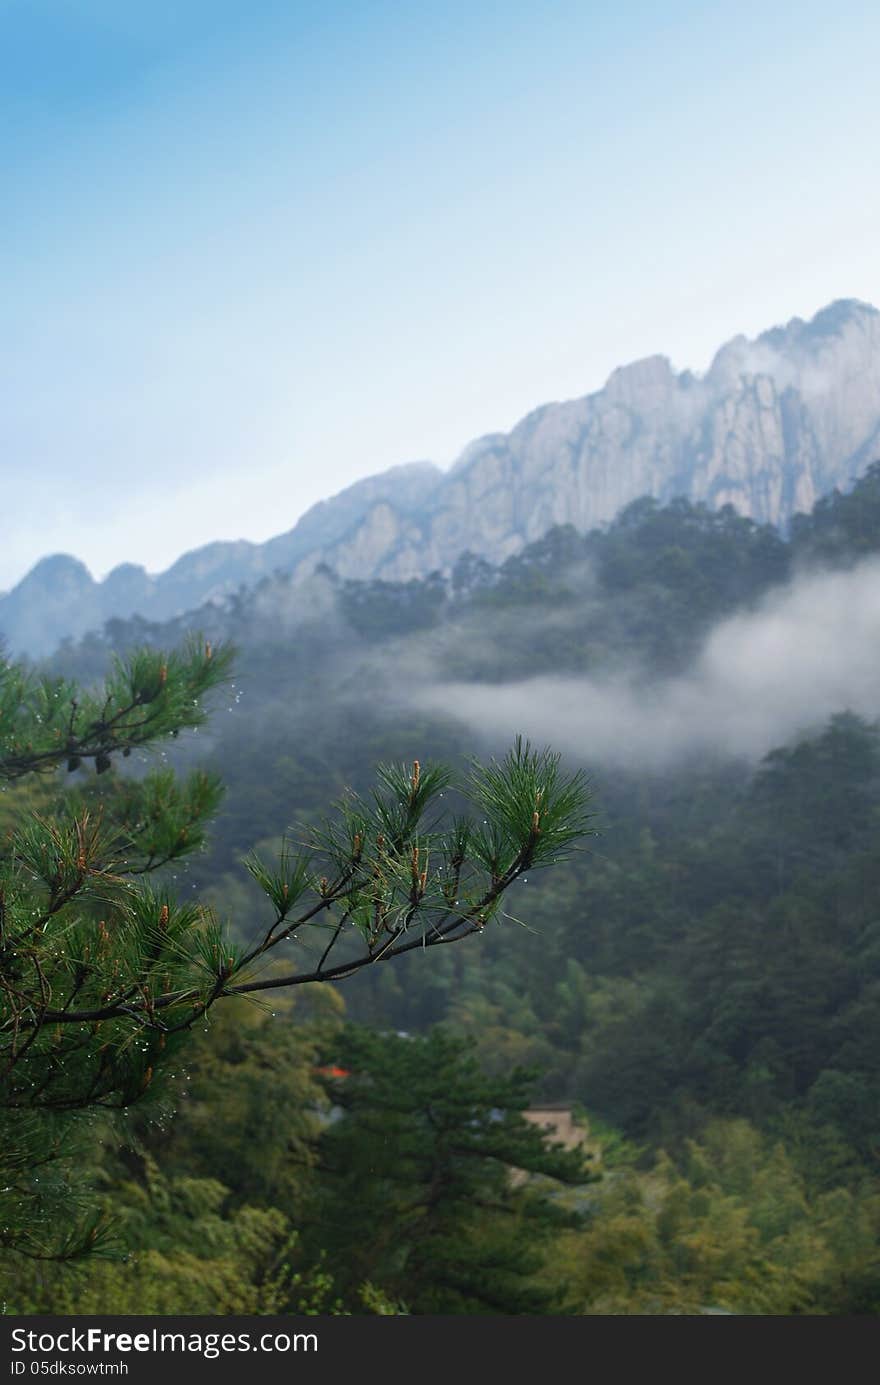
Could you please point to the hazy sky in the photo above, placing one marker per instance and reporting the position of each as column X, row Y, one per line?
column 253, row 251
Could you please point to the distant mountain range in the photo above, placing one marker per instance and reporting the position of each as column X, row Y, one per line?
column 773, row 424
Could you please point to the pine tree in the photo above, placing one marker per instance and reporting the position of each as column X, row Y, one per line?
column 422, row 1190
column 103, row 972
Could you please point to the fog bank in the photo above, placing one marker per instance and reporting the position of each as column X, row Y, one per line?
column 809, row 650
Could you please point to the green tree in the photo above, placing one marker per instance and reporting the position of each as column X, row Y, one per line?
column 102, row 973
column 423, row 1191
column 206, row 1190
column 729, row 1226
column 842, row 527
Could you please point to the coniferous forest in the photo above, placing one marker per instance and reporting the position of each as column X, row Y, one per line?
column 682, row 949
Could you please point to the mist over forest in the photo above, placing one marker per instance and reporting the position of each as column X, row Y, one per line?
column 761, row 677
column 671, row 633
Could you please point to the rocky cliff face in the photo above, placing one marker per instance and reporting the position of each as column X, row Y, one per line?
column 772, row 425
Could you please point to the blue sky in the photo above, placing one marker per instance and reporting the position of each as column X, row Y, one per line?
column 252, row 252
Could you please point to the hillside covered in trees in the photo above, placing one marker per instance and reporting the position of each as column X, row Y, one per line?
column 701, row 981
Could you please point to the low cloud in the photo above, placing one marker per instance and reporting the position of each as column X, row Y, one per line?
column 808, row 651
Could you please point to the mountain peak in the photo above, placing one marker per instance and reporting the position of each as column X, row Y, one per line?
column 648, row 373
column 834, row 320
column 840, row 312
column 60, row 567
